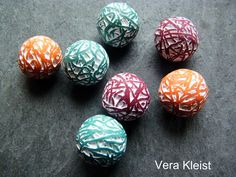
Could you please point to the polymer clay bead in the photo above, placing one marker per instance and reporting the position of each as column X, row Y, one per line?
column 39, row 57
column 126, row 97
column 86, row 62
column 176, row 39
column 101, row 140
column 118, row 24
column 183, row 92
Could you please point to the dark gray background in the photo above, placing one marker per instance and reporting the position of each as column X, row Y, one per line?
column 39, row 118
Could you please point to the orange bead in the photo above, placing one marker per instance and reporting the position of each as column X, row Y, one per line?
column 39, row 57
column 183, row 92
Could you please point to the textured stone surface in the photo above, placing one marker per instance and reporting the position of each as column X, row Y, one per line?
column 38, row 120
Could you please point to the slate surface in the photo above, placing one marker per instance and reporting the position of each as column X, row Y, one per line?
column 38, row 119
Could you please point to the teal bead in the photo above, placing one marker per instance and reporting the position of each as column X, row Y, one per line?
column 85, row 62
column 118, row 24
column 101, row 140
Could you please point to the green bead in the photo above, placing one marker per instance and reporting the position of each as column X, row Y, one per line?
column 101, row 140
column 86, row 62
column 118, row 24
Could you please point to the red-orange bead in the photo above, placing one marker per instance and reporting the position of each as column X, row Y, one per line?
column 39, row 57
column 183, row 92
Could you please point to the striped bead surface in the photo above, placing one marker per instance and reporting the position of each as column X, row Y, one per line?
column 101, row 140
column 86, row 62
column 118, row 24
column 126, row 97
column 176, row 39
column 39, row 57
column 183, row 92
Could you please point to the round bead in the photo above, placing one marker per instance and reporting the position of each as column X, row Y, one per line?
column 183, row 92
column 86, row 62
column 118, row 24
column 101, row 140
column 39, row 57
column 176, row 39
column 126, row 97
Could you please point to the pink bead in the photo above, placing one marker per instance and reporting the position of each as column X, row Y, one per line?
column 126, row 97
column 176, row 39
